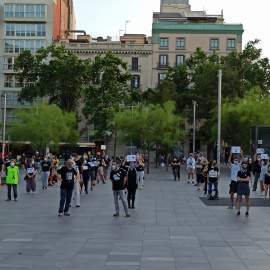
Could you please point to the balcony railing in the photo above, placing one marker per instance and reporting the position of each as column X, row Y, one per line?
column 162, row 65
column 134, row 68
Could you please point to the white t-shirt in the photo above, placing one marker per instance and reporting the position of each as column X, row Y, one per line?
column 234, row 170
column 191, row 163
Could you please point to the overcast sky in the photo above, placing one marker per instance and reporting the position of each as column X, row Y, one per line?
column 107, row 17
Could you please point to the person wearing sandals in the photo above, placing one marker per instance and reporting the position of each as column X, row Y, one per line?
column 12, row 180
column 243, row 178
column 31, row 172
column 69, row 176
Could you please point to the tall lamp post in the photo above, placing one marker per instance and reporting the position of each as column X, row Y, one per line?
column 194, row 103
column 219, row 117
column 4, row 125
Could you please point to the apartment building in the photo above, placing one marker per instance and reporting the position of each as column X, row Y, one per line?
column 176, row 33
column 28, row 25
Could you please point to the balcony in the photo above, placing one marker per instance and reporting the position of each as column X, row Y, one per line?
column 134, row 68
column 162, row 65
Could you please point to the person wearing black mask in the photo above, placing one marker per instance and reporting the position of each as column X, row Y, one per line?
column 243, row 178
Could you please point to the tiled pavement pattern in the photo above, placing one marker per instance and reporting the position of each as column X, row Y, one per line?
column 171, row 228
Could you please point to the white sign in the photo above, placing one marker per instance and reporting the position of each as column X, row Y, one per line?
column 131, row 158
column 103, row 147
column 260, row 151
column 236, row 149
column 260, row 142
column 85, row 168
column 264, row 156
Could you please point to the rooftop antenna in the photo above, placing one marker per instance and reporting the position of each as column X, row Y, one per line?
column 126, row 26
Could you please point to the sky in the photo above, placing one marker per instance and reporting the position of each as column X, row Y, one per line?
column 106, row 17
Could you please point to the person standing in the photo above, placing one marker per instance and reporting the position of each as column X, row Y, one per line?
column 131, row 184
column 85, row 174
column 139, row 165
column 262, row 174
column 69, row 176
column 256, row 170
column 31, row 172
column 190, row 168
column 199, row 173
column 37, row 160
column 12, row 180
column 106, row 167
column 76, row 192
column 118, row 178
column 235, row 168
column 23, row 161
column 243, row 178
column 267, row 182
column 204, row 173
column 1, row 168
column 250, row 169
column 176, row 166
column 100, row 172
column 213, row 179
column 45, row 172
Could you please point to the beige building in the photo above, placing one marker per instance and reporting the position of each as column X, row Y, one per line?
column 176, row 33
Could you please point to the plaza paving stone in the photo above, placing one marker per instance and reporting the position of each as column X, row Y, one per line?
column 171, row 228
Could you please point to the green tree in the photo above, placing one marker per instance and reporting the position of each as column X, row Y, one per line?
column 153, row 125
column 43, row 126
column 104, row 100
column 53, row 73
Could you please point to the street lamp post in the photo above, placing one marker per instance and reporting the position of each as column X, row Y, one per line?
column 219, row 117
column 4, row 124
column 194, row 103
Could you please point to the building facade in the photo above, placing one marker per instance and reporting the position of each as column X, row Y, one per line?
column 27, row 25
column 176, row 33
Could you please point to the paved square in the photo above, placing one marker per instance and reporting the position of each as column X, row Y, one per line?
column 170, row 228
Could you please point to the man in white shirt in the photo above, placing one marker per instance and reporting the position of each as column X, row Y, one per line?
column 191, row 167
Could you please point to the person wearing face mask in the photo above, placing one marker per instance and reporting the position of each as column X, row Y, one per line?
column 176, row 167
column 92, row 173
column 68, row 176
column 85, row 174
column 199, row 173
column 235, row 168
column 204, row 173
column 12, row 180
column 140, row 171
column 45, row 172
column 243, row 178
column 267, row 182
column 118, row 178
column 76, row 192
column 250, row 169
column 131, row 184
column 190, row 168
column 213, row 179
column 31, row 172
column 107, row 165
column 256, row 170
column 262, row 175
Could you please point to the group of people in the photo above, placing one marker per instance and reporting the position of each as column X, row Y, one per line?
column 126, row 177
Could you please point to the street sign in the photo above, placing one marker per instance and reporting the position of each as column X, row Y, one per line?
column 260, row 142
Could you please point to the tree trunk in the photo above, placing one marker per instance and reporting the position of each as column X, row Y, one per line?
column 167, row 164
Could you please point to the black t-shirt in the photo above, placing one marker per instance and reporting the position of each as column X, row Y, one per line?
column 86, row 170
column 213, row 174
column 30, row 169
column 100, row 160
column 107, row 162
column 45, row 165
column 243, row 175
column 257, row 167
column 125, row 167
column 67, row 177
column 7, row 161
column 139, row 167
column 79, row 165
column 37, row 159
column 117, row 178
column 1, row 163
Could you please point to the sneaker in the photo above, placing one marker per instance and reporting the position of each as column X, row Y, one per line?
column 198, row 189
column 218, row 198
column 264, row 199
column 140, row 188
column 33, row 192
column 116, row 214
column 104, row 182
column 230, row 207
column 247, row 214
column 127, row 214
column 188, row 182
column 195, row 184
column 208, row 196
column 238, row 213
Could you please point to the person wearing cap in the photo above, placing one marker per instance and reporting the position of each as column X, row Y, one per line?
column 243, row 178
column 12, row 180
column 191, row 168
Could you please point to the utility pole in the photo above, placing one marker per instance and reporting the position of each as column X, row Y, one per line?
column 194, row 103
column 4, row 125
column 219, row 117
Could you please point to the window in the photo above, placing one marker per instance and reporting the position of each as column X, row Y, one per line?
column 163, row 61
column 9, row 11
column 180, row 60
column 19, row 46
column 135, row 61
column 180, row 44
column 30, row 30
column 20, row 30
column 41, row 30
column 40, row 44
column 8, row 63
column 163, row 43
column 214, row 44
column 231, row 44
column 132, row 42
column 29, row 11
column 19, row 11
column 30, row 45
column 40, row 11
column 136, row 82
column 9, row 46
column 161, row 77
column 10, row 29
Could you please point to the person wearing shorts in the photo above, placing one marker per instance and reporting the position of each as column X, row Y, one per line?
column 100, row 172
column 243, row 178
column 190, row 168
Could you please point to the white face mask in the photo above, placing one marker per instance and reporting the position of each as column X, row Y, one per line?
column 11, row 164
column 33, row 162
